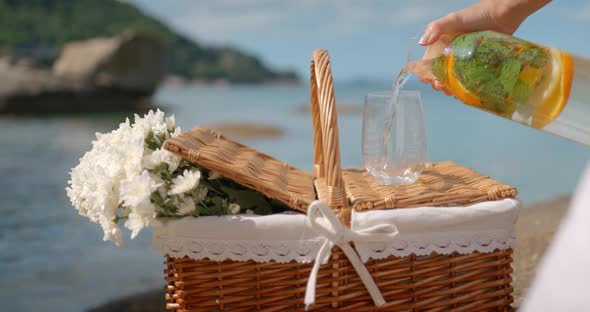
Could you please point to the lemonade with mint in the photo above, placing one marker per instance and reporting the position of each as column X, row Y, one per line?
column 541, row 87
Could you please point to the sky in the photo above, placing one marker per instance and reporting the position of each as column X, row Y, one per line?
column 366, row 39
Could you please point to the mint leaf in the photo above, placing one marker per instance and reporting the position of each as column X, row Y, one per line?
column 473, row 74
column 535, row 56
column 464, row 45
column 492, row 95
column 509, row 40
column 509, row 71
column 492, row 52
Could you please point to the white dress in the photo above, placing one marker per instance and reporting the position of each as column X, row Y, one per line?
column 562, row 280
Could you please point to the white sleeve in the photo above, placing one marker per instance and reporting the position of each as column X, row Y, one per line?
column 561, row 283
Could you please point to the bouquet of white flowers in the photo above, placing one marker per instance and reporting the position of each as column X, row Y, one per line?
column 127, row 175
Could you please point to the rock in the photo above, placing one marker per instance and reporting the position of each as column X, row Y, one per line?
column 27, row 63
column 98, row 75
column 132, row 61
column 29, row 91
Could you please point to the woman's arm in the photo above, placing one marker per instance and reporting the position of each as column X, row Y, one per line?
column 503, row 16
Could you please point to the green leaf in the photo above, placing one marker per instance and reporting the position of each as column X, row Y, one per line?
column 167, row 206
column 232, row 193
column 474, row 75
column 492, row 52
column 492, row 95
column 152, row 143
column 156, row 198
column 464, row 45
column 263, row 210
column 217, row 207
column 212, row 210
column 278, row 206
column 534, row 56
column 185, row 165
column 212, row 186
column 248, row 199
column 217, row 201
column 509, row 74
column 506, row 39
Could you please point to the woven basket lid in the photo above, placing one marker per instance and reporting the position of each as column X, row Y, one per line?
column 245, row 166
column 441, row 184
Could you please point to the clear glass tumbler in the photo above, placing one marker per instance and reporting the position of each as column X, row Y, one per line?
column 394, row 137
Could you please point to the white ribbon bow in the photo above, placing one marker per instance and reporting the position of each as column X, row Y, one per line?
column 325, row 223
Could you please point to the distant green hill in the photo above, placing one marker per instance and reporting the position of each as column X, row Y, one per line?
column 38, row 28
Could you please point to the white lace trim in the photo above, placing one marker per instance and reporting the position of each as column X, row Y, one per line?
column 462, row 243
column 259, row 251
column 305, row 251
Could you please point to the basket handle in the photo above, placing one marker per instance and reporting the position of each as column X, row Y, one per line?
column 326, row 151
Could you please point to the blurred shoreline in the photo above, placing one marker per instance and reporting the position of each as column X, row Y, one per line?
column 175, row 81
column 535, row 229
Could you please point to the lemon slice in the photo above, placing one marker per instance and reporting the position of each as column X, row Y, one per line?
column 555, row 94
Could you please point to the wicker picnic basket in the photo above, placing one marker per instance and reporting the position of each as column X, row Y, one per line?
column 436, row 282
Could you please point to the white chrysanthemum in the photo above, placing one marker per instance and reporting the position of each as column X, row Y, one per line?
column 249, row 211
column 234, row 208
column 93, row 187
column 112, row 232
column 111, row 179
column 137, row 189
column 171, row 123
column 160, row 156
column 142, row 215
column 185, row 182
column 176, row 132
column 131, row 152
column 187, row 207
column 152, row 122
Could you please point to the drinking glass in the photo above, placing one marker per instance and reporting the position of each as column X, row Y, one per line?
column 394, row 137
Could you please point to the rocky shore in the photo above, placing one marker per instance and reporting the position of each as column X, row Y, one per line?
column 536, row 227
column 111, row 74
